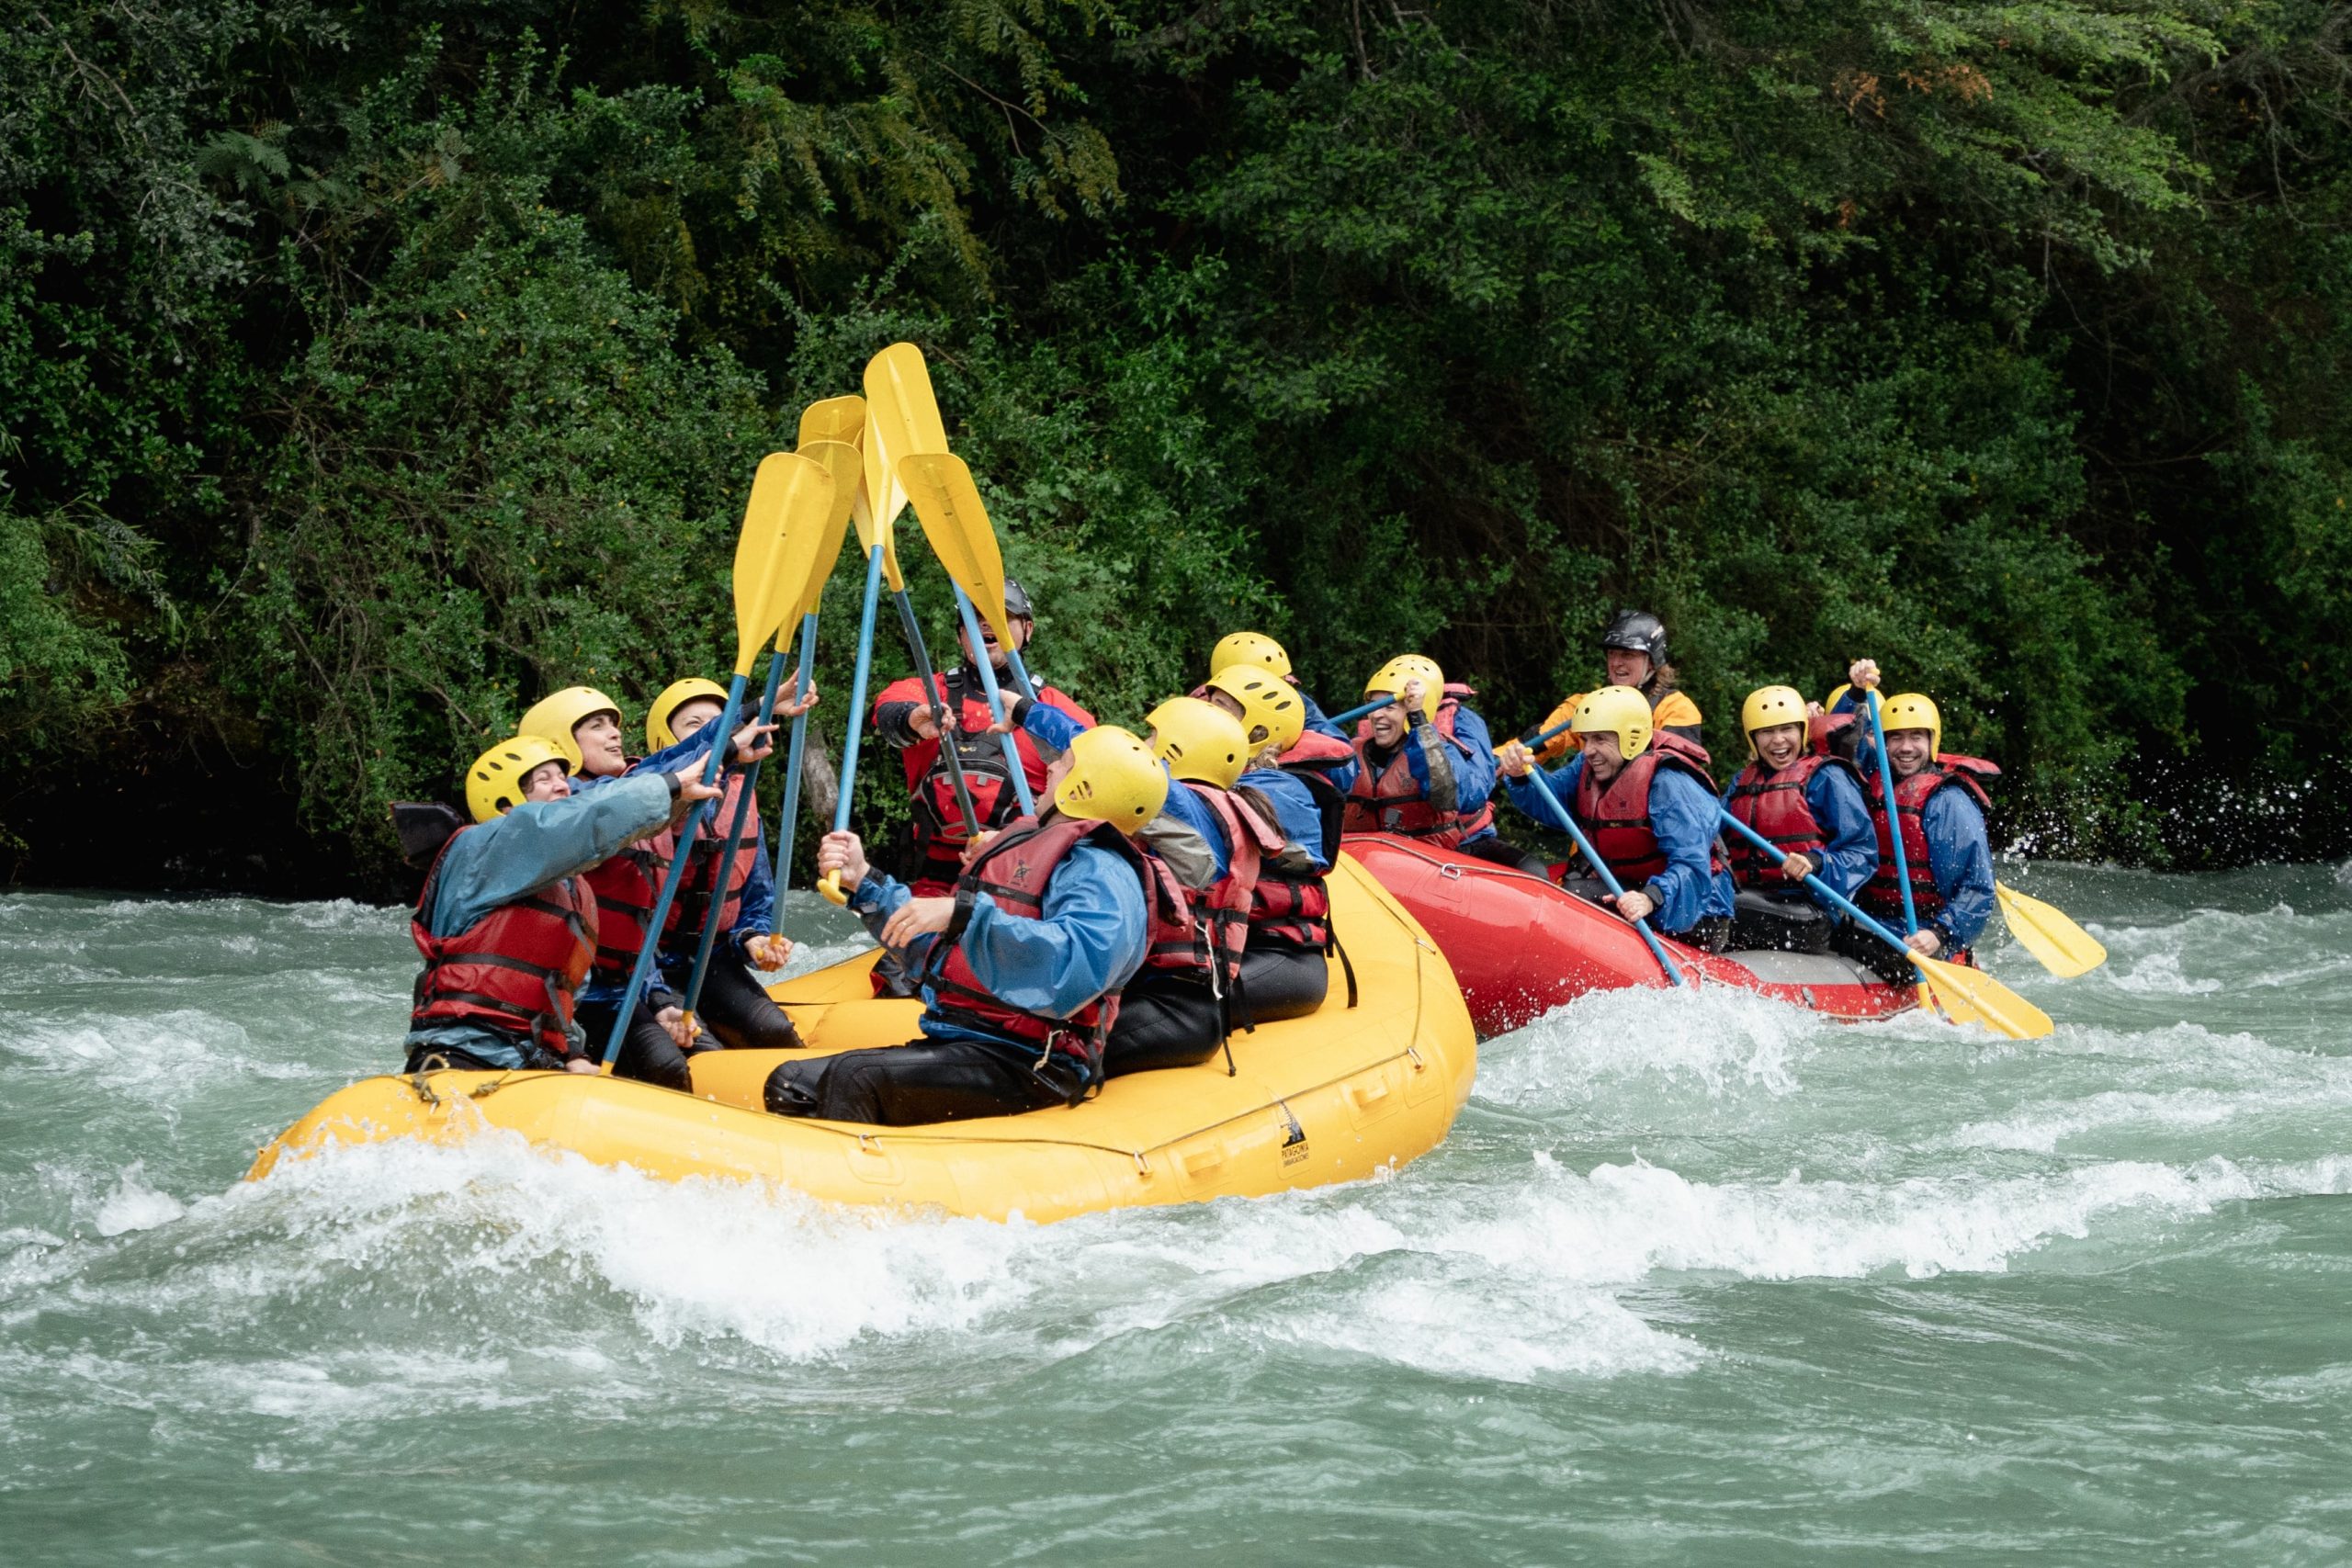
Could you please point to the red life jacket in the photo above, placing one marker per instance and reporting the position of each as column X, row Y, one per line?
column 1296, row 906
column 1617, row 819
column 1216, row 920
column 1774, row 805
column 518, row 968
column 1388, row 800
column 1014, row 870
column 692, row 906
column 1316, row 750
column 1882, row 896
column 938, row 820
column 626, row 888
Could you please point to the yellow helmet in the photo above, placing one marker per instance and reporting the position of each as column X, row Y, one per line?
column 1113, row 778
column 1830, row 702
column 495, row 780
column 1250, row 647
column 1199, row 741
column 1912, row 711
column 675, row 695
column 1271, row 709
column 1391, row 678
column 1620, row 711
column 553, row 717
column 1768, row 708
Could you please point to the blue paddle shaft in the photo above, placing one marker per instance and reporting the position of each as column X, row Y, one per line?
column 669, row 894
column 1770, row 848
column 1893, row 820
column 720, row 873
column 932, row 691
column 788, row 823
column 986, row 667
column 857, row 688
column 1365, row 711
column 1020, row 682
column 1600, row 868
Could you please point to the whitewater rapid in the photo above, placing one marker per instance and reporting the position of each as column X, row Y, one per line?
column 1697, row 1277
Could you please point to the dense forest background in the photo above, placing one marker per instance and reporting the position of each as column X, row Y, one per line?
column 366, row 371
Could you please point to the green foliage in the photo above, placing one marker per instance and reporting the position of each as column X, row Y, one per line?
column 366, row 373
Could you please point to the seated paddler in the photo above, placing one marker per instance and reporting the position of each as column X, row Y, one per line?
column 1644, row 800
column 1632, row 653
column 733, row 1005
column 1424, row 766
column 1811, row 807
column 1939, row 802
column 1020, row 966
column 584, row 727
column 505, row 922
column 1282, row 972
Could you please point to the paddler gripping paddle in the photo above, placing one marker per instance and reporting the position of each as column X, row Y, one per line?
column 1982, row 998
column 761, row 600
column 2057, row 943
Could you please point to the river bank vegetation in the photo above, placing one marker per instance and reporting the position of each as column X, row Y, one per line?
column 367, row 372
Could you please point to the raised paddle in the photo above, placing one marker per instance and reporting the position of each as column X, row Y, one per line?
column 759, row 603
column 1600, row 868
column 1893, row 821
column 1338, row 720
column 902, row 417
column 846, row 467
column 1984, row 999
column 2056, row 941
column 807, row 513
column 956, row 522
column 873, row 536
column 906, row 411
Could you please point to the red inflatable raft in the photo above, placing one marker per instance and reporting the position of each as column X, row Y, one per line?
column 1521, row 946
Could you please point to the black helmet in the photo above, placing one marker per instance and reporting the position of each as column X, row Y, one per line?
column 1016, row 601
column 1639, row 632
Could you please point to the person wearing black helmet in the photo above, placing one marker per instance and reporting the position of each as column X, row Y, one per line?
column 1633, row 652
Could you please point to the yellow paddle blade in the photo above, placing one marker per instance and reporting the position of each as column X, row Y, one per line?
column 901, row 420
column 755, row 550
column 791, row 496
column 948, row 504
column 1984, row 999
column 847, row 469
column 2044, row 929
column 832, row 419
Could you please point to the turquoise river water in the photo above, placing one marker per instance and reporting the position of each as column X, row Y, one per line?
column 1696, row 1279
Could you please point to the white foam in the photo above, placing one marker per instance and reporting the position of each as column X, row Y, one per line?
column 135, row 1206
column 1720, row 1039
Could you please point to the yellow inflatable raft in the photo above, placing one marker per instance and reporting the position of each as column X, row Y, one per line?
column 1332, row 1097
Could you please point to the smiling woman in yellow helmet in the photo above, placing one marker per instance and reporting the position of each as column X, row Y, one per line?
column 1642, row 796
column 584, row 725
column 1021, row 967
column 506, row 924
column 1808, row 804
column 1633, row 652
column 1425, row 766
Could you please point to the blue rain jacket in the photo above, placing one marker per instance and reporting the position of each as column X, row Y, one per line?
column 1295, row 813
column 1090, row 942
column 513, row 856
column 1961, row 858
column 1682, row 814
